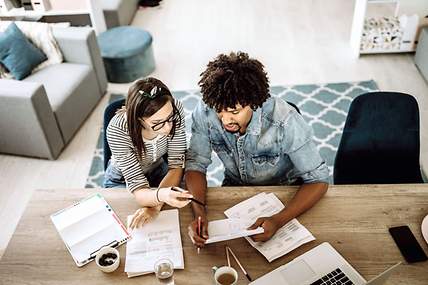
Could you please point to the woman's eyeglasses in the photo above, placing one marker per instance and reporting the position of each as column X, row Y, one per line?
column 160, row 125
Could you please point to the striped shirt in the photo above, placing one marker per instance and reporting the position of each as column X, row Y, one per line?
column 125, row 157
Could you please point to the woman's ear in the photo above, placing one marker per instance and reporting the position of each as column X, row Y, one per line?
column 142, row 123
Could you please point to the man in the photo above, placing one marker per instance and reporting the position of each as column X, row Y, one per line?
column 260, row 140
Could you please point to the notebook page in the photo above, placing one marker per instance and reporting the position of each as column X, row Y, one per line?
column 158, row 239
column 87, row 226
column 75, row 214
column 93, row 243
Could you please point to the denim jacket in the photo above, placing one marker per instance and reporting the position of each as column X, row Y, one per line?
column 276, row 149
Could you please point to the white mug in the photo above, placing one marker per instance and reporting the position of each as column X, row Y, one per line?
column 108, row 268
column 217, row 272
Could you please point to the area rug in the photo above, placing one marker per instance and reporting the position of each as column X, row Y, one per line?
column 324, row 107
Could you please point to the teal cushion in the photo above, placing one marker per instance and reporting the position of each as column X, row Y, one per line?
column 17, row 54
column 127, row 53
column 123, row 42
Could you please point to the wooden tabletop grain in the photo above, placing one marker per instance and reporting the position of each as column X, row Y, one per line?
column 354, row 219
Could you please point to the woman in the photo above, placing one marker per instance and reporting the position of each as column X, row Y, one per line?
column 148, row 142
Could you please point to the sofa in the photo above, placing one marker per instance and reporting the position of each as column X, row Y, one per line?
column 421, row 56
column 118, row 12
column 40, row 114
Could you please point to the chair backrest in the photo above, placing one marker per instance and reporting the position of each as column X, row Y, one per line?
column 109, row 113
column 294, row 106
column 380, row 141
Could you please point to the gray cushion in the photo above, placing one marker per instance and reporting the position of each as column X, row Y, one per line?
column 60, row 80
column 72, row 93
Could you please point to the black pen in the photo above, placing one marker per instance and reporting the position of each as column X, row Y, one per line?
column 191, row 199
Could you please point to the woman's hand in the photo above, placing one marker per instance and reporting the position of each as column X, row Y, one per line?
column 176, row 198
column 144, row 215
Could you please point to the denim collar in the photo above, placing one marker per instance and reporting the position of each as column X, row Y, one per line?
column 255, row 124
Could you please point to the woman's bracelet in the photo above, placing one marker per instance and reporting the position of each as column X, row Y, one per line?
column 157, row 195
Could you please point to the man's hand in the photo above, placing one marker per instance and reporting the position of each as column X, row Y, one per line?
column 198, row 240
column 270, row 226
column 143, row 216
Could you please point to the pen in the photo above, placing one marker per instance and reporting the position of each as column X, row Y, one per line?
column 239, row 263
column 199, row 231
column 227, row 256
column 191, row 199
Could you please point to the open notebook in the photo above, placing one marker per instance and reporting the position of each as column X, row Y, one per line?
column 158, row 239
column 87, row 226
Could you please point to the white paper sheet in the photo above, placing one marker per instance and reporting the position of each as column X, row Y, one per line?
column 87, row 226
column 227, row 229
column 158, row 239
column 286, row 239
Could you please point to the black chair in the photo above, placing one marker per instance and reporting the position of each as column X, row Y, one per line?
column 109, row 113
column 380, row 141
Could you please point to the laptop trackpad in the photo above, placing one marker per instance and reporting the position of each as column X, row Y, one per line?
column 297, row 272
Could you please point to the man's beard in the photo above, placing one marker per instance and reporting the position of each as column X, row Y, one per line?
column 234, row 131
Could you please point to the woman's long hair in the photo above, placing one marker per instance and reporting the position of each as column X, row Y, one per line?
column 145, row 98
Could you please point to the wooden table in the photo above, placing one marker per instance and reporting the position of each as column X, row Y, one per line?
column 354, row 219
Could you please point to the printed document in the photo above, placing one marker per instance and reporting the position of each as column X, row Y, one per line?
column 289, row 237
column 227, row 229
column 155, row 240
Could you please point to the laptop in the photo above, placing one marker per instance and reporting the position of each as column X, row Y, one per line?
column 320, row 265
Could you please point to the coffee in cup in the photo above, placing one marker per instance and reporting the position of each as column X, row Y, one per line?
column 225, row 275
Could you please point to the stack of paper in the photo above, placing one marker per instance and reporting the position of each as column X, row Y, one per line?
column 286, row 239
column 227, row 229
column 153, row 241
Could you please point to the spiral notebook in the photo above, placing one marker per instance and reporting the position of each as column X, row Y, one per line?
column 87, row 226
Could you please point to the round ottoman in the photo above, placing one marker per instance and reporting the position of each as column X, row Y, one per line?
column 127, row 53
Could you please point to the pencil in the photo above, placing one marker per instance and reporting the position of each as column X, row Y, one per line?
column 199, row 231
column 227, row 256
column 240, row 265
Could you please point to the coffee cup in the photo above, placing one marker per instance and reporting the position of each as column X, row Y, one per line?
column 225, row 275
column 107, row 259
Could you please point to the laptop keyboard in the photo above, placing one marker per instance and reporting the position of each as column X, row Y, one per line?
column 336, row 277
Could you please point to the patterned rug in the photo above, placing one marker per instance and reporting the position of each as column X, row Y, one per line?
column 324, row 107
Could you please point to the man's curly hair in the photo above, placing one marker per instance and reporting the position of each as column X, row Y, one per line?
column 232, row 79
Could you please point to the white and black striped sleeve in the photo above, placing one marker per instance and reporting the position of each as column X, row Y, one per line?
column 177, row 145
column 126, row 159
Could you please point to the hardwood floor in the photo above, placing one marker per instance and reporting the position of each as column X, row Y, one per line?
column 298, row 42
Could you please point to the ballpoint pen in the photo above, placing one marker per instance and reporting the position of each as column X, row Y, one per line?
column 191, row 199
column 239, row 263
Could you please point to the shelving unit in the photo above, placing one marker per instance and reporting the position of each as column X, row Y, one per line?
column 360, row 14
column 29, row 13
column 92, row 8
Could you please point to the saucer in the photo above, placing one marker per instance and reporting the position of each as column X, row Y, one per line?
column 424, row 228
